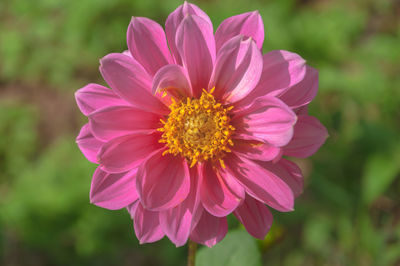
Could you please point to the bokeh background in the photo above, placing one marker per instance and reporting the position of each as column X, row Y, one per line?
column 349, row 213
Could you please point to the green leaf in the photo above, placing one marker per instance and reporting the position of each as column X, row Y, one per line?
column 380, row 171
column 237, row 249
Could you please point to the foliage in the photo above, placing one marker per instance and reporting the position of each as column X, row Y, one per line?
column 238, row 248
column 349, row 212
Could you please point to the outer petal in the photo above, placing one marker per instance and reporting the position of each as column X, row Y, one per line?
column 260, row 183
column 196, row 180
column 129, row 80
column 174, row 80
column 94, row 96
column 147, row 44
column 147, row 225
column 281, row 71
column 210, row 230
column 127, row 152
column 131, row 208
column 255, row 216
column 289, row 172
column 237, row 69
column 268, row 120
column 177, row 222
column 301, row 110
column 127, row 53
column 309, row 135
column 116, row 121
column 248, row 24
column 113, row 191
column 163, row 182
column 256, row 150
column 174, row 20
column 216, row 196
column 196, row 46
column 303, row 92
column 88, row 144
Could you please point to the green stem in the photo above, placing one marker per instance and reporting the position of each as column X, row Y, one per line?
column 192, row 253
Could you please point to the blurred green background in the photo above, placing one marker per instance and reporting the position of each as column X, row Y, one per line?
column 349, row 213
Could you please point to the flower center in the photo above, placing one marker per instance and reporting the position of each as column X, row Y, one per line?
column 198, row 129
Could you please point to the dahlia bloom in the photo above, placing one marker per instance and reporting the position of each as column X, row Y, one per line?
column 196, row 126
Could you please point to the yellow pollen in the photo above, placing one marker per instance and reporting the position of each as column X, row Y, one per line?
column 198, row 129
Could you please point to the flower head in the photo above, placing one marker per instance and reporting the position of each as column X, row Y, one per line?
column 196, row 126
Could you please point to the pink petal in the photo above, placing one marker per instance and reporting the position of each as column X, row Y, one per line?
column 88, row 144
column 267, row 119
column 256, row 150
column 255, row 216
column 93, row 97
column 174, row 80
column 289, row 172
column 309, row 135
column 131, row 208
column 116, row 121
column 163, row 182
column 281, row 70
column 196, row 46
column 129, row 80
column 301, row 110
column 126, row 52
column 175, row 223
column 279, row 156
column 260, row 183
column 147, row 225
column 113, row 191
column 216, row 196
column 148, row 45
column 248, row 24
column 196, row 176
column 175, row 19
column 210, row 230
column 303, row 92
column 127, row 152
column 178, row 222
column 237, row 69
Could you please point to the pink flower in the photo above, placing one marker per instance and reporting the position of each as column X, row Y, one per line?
column 195, row 125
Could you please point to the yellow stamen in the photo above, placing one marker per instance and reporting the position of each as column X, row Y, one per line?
column 222, row 163
column 198, row 129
